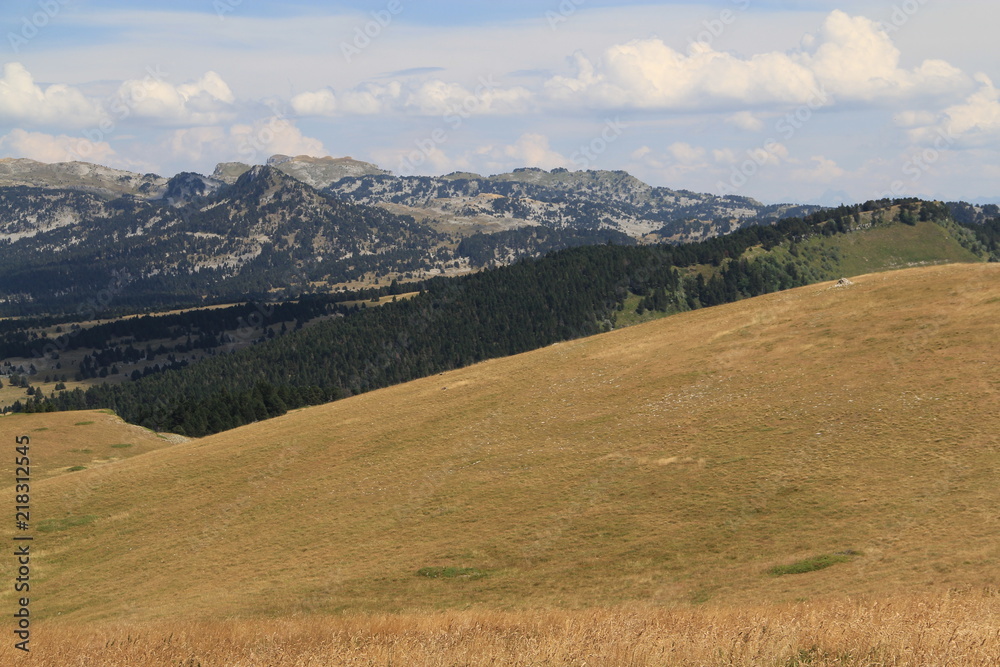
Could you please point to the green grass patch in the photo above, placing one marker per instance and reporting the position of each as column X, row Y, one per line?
column 43, row 428
column 124, row 445
column 77, row 468
column 83, row 423
column 56, row 525
column 451, row 573
column 629, row 316
column 812, row 564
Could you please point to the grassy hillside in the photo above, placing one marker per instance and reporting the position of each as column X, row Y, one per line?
column 684, row 461
column 892, row 247
column 73, row 441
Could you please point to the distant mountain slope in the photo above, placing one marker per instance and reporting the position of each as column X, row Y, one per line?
column 81, row 176
column 267, row 231
column 559, row 199
column 75, row 229
column 71, row 231
column 316, row 172
column 522, row 307
column 672, row 463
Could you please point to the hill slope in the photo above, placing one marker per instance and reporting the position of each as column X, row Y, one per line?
column 671, row 462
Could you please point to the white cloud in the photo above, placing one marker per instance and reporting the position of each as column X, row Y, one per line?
column 530, row 150
column 852, row 60
column 428, row 98
column 24, row 101
column 250, row 143
column 908, row 119
column 317, row 103
column 724, row 156
column 54, row 148
column 687, row 154
column 857, row 60
column 640, row 153
column 825, row 171
column 206, row 101
column 979, row 116
column 973, row 123
column 746, row 120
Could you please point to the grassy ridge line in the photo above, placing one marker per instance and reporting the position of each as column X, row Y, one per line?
column 674, row 462
column 958, row 629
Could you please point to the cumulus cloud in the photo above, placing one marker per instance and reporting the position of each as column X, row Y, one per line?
column 24, row 101
column 54, row 148
column 250, row 143
column 203, row 102
column 746, row 120
column 685, row 153
column 529, row 150
column 980, row 114
column 824, row 171
column 315, row 103
column 853, row 59
column 679, row 160
column 206, row 101
column 725, row 156
column 974, row 123
column 428, row 98
column 857, row 60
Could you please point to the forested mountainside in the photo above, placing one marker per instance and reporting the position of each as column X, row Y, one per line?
column 72, row 232
column 266, row 232
column 533, row 303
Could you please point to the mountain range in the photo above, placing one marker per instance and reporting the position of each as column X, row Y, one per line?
column 71, row 230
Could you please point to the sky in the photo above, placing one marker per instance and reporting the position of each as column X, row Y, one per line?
column 780, row 100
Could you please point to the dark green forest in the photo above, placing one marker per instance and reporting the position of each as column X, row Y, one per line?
column 460, row 321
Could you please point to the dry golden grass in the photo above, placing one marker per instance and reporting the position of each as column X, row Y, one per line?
column 669, row 464
column 88, row 438
column 953, row 629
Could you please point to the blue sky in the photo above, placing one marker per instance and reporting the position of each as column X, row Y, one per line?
column 792, row 100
